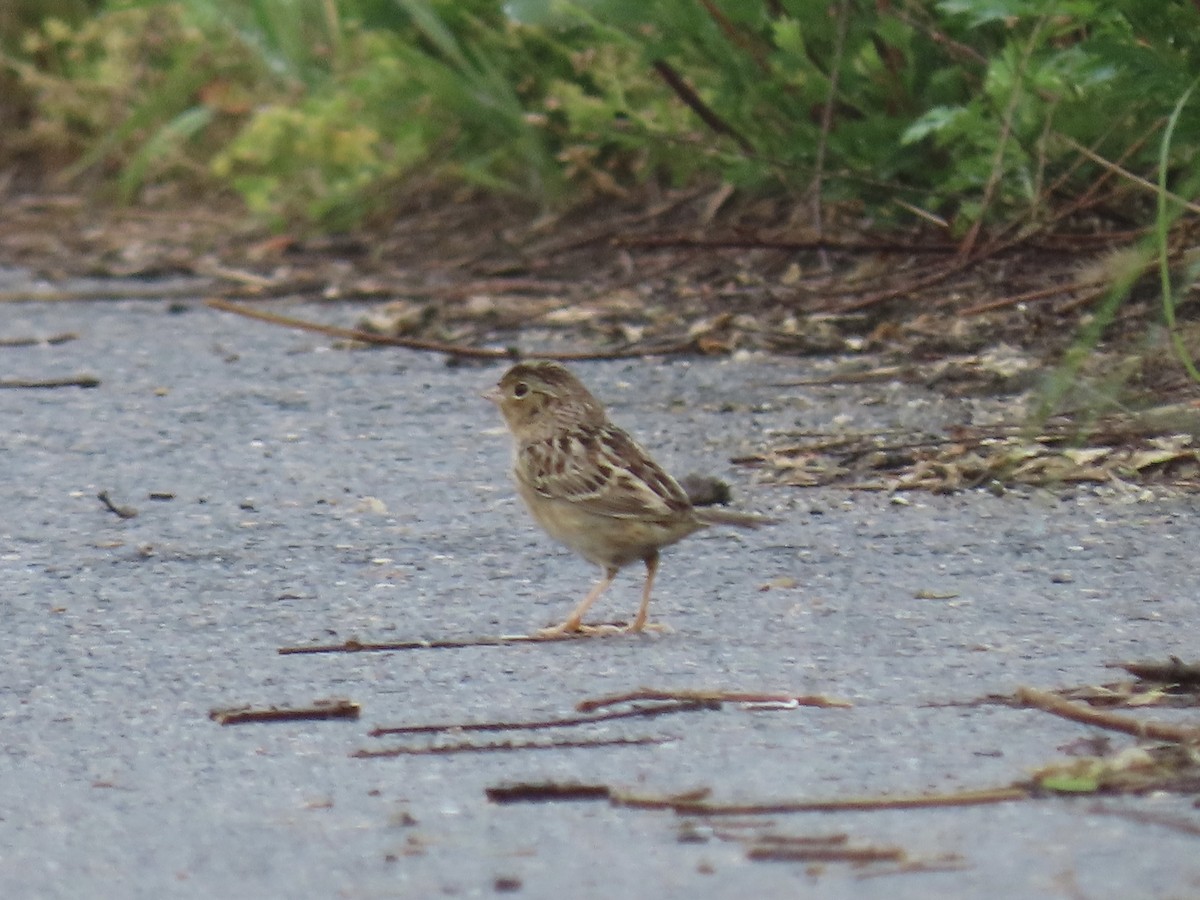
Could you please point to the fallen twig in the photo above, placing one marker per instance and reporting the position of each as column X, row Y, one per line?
column 1082, row 300
column 862, row 376
column 458, row 350
column 124, row 512
column 838, row 839
column 1055, row 290
column 504, row 640
column 775, row 847
column 80, row 381
column 1052, row 703
column 684, row 242
column 53, row 340
column 826, row 853
column 844, row 804
column 366, row 337
column 568, row 721
column 1174, row 671
column 543, row 792
column 1124, row 173
column 731, row 829
column 494, row 746
column 558, row 245
column 702, row 696
column 120, row 291
column 911, row 287
column 336, row 708
column 949, row 862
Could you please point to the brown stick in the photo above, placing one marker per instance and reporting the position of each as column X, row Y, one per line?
column 121, row 512
column 845, row 804
column 684, row 91
column 53, row 340
column 1159, row 731
column 542, row 792
column 993, row 249
column 750, row 243
column 1127, row 175
column 509, row 353
column 320, row 710
column 504, row 640
column 710, row 697
column 1173, row 671
column 1082, row 300
column 841, row 838
column 353, row 334
column 948, row 862
column 929, row 279
column 496, row 746
column 565, row 722
column 126, row 291
column 80, row 381
column 775, row 853
column 1054, row 290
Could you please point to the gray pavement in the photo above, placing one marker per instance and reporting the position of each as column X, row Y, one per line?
column 322, row 494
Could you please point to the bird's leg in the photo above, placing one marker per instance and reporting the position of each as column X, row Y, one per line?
column 639, row 622
column 573, row 622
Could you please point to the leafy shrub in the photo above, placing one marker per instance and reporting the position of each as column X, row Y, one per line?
column 974, row 110
column 122, row 92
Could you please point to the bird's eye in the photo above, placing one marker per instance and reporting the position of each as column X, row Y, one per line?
column 520, row 389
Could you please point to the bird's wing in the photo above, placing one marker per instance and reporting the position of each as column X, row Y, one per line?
column 604, row 471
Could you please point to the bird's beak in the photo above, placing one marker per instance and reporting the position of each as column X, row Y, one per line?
column 493, row 394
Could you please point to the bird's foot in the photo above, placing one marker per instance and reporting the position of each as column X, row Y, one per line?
column 655, row 627
column 568, row 630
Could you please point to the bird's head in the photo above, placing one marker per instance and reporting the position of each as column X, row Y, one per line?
column 541, row 396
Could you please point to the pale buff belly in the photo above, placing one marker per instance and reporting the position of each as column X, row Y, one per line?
column 604, row 540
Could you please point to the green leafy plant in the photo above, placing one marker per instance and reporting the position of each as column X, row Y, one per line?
column 120, row 93
column 981, row 112
column 422, row 85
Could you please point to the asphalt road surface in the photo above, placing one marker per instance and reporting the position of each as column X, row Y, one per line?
column 310, row 494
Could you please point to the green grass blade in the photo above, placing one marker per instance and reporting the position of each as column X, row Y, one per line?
column 1162, row 222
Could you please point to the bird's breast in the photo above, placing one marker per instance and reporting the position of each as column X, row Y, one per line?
column 601, row 539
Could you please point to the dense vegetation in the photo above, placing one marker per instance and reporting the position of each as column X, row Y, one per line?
column 955, row 111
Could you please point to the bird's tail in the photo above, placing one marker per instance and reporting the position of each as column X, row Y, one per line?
column 710, row 516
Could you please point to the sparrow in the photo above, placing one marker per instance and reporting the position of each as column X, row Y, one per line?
column 590, row 486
